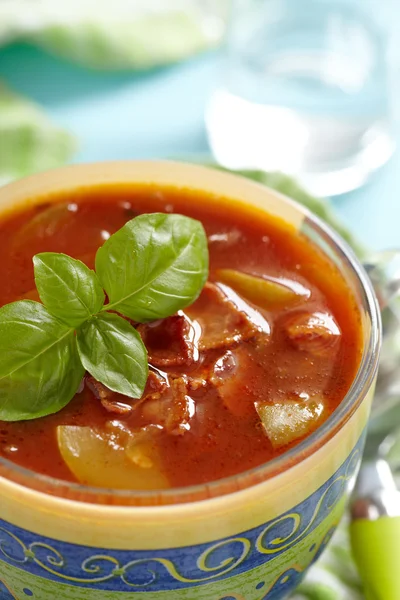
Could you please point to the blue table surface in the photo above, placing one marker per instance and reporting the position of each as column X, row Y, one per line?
column 159, row 114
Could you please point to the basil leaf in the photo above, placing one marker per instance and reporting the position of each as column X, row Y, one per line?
column 40, row 370
column 155, row 265
column 67, row 287
column 113, row 352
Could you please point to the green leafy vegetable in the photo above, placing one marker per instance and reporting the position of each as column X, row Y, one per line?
column 67, row 287
column 40, row 369
column 154, row 266
column 113, row 352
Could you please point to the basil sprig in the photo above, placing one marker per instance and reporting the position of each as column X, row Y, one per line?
column 152, row 267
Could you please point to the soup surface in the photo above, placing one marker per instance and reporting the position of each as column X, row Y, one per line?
column 256, row 364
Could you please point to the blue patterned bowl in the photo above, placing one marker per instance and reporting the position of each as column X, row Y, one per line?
column 250, row 537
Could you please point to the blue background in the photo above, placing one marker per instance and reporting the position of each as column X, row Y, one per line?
column 159, row 114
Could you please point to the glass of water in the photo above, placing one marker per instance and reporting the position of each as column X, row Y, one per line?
column 305, row 90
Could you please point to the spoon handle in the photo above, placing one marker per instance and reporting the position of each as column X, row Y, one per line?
column 375, row 530
column 375, row 508
column 376, row 549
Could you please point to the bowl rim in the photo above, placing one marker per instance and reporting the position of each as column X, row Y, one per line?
column 362, row 383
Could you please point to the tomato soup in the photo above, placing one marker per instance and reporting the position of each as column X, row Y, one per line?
column 258, row 362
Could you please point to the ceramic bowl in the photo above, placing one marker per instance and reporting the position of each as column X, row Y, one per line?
column 250, row 537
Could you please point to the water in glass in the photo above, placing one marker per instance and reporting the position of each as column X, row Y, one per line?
column 305, row 90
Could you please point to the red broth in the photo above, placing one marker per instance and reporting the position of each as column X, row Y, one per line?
column 208, row 414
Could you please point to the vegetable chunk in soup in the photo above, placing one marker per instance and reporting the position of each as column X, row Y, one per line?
column 252, row 367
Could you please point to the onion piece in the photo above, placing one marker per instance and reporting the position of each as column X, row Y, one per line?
column 316, row 333
column 286, row 422
column 98, row 460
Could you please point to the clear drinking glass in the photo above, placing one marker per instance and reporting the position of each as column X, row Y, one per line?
column 305, row 89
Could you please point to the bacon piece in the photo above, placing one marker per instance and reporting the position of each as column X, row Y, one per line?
column 111, row 401
column 316, row 333
column 230, row 376
column 222, row 323
column 156, row 384
column 172, row 409
column 224, row 369
column 120, row 404
column 170, row 341
column 197, row 383
column 119, row 408
column 165, row 404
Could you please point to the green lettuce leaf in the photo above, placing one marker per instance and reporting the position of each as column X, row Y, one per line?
column 116, row 35
column 29, row 142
